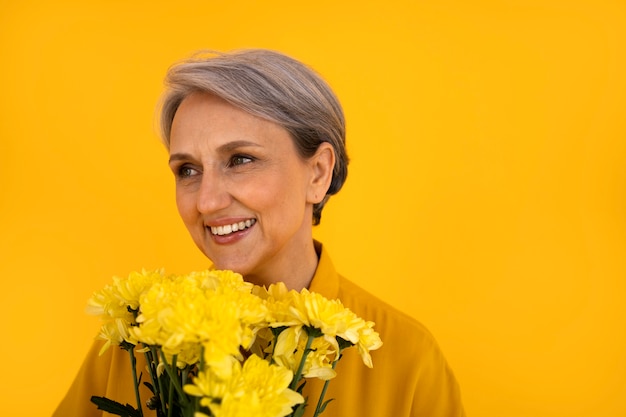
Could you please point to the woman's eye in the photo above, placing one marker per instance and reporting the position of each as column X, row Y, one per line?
column 186, row 171
column 240, row 160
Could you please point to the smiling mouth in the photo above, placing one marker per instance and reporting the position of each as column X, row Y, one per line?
column 232, row 228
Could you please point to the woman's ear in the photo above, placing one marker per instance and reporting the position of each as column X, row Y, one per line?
column 322, row 164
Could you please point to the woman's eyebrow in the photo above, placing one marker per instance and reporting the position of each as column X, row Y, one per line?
column 179, row 157
column 225, row 148
column 235, row 144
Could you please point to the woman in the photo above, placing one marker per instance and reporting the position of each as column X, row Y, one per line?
column 256, row 143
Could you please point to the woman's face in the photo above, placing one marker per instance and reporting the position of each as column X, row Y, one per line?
column 242, row 190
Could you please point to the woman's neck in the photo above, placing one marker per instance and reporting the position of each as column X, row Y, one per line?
column 295, row 269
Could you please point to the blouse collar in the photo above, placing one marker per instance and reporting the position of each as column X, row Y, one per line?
column 326, row 279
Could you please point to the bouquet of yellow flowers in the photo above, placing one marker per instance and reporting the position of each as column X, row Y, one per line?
column 217, row 346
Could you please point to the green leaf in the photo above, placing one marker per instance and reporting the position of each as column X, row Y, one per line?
column 278, row 330
column 113, row 407
column 301, row 387
column 150, row 387
column 313, row 331
column 299, row 410
column 126, row 345
column 343, row 343
column 323, row 407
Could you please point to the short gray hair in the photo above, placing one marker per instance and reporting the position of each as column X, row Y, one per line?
column 272, row 86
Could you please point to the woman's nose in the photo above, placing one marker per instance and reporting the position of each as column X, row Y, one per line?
column 213, row 194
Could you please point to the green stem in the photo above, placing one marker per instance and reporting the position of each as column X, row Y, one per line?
column 155, row 357
column 320, row 401
column 201, row 365
column 170, row 399
column 272, row 361
column 184, row 375
column 133, row 366
column 174, row 378
column 298, row 375
column 149, row 354
column 195, row 401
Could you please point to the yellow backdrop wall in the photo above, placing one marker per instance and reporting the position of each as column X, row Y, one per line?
column 486, row 197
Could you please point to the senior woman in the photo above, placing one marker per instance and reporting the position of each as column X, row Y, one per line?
column 256, row 143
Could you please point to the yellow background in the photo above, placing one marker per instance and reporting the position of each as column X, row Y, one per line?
column 486, row 197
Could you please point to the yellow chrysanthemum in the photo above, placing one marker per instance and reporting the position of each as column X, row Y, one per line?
column 255, row 389
column 368, row 340
column 115, row 332
column 291, row 308
column 278, row 300
column 117, row 303
column 221, row 280
column 214, row 308
column 263, row 345
column 330, row 316
column 218, row 315
column 115, row 299
column 290, row 348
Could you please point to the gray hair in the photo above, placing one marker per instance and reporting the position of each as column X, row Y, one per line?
column 272, row 86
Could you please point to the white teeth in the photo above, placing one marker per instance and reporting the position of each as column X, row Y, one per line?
column 230, row 228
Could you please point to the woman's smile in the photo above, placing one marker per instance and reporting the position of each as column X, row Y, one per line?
column 228, row 229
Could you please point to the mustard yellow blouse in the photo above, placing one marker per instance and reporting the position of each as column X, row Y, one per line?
column 410, row 377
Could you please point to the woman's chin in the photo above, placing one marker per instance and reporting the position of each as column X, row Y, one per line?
column 231, row 265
